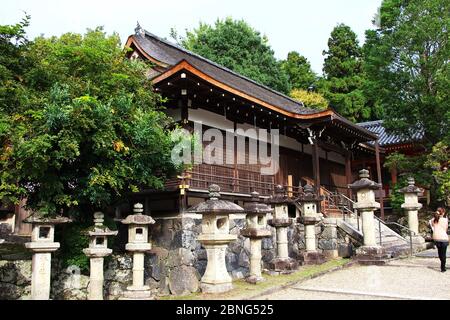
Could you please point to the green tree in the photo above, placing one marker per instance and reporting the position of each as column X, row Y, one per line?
column 344, row 77
column 313, row 100
column 86, row 130
column 236, row 45
column 407, row 64
column 298, row 68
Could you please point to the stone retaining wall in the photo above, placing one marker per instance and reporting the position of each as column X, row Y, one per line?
column 174, row 265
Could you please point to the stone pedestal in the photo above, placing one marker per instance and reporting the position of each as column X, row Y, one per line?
column 412, row 207
column 215, row 238
column 310, row 217
column 329, row 243
column 366, row 205
column 282, row 263
column 138, row 245
column 42, row 245
column 98, row 249
column 216, row 278
column 256, row 230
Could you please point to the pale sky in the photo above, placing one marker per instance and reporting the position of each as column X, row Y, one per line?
column 301, row 25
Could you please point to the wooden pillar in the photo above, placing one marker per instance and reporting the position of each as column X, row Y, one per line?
column 377, row 156
column 289, row 188
column 348, row 172
column 394, row 176
column 235, row 169
column 21, row 228
column 184, row 112
column 316, row 165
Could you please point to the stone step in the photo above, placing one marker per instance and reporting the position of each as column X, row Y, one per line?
column 371, row 262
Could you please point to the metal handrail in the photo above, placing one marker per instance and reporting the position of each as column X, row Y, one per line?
column 411, row 232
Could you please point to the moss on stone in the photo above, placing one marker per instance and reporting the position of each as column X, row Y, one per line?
column 243, row 290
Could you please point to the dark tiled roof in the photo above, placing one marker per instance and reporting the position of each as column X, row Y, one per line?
column 171, row 54
column 387, row 139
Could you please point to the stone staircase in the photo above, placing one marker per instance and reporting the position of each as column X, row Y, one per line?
column 393, row 244
column 340, row 207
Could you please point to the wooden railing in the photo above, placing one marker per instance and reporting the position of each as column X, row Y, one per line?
column 241, row 181
column 230, row 180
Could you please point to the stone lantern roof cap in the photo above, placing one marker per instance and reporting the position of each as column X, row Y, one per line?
column 364, row 182
column 280, row 196
column 99, row 229
column 255, row 206
column 138, row 217
column 39, row 218
column 411, row 187
column 214, row 205
column 309, row 194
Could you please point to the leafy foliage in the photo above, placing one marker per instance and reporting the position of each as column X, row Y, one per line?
column 237, row 46
column 344, row 77
column 407, row 67
column 74, row 238
column 439, row 161
column 311, row 100
column 298, row 68
column 85, row 129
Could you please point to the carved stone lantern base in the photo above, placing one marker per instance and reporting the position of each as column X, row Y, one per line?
column 282, row 266
column 371, row 255
column 216, row 288
column 141, row 293
column 254, row 279
column 311, row 258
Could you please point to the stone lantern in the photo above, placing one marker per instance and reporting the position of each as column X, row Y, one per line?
column 310, row 203
column 256, row 230
column 215, row 237
column 138, row 244
column 282, row 263
column 411, row 206
column 42, row 245
column 366, row 205
column 98, row 249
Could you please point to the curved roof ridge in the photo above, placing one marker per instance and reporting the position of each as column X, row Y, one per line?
column 147, row 33
column 368, row 123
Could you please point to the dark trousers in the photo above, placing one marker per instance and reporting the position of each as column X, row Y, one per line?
column 442, row 252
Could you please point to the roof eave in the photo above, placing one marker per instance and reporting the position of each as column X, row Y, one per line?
column 184, row 65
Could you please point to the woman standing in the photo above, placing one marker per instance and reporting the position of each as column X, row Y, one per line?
column 439, row 225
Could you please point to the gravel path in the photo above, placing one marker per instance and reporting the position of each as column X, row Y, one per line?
column 412, row 278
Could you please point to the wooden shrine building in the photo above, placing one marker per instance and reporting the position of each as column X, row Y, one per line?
column 315, row 146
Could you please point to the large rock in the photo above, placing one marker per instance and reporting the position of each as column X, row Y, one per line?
column 180, row 257
column 70, row 284
column 9, row 291
column 118, row 275
column 231, row 261
column 114, row 290
column 267, row 243
column 200, row 266
column 244, row 260
column 185, row 239
column 239, row 273
column 16, row 272
column 183, row 280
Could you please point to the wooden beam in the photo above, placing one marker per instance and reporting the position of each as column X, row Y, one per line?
column 377, row 156
column 184, row 65
column 316, row 165
column 348, row 172
column 331, row 147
